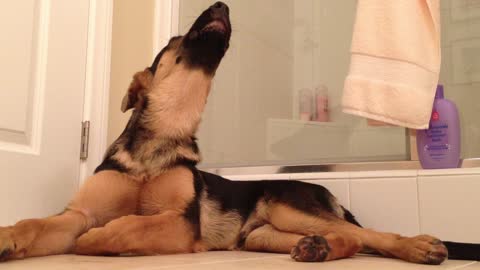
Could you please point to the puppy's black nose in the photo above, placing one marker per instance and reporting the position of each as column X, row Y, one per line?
column 220, row 7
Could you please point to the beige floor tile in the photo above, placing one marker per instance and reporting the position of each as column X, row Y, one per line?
column 357, row 263
column 73, row 262
column 219, row 260
column 473, row 266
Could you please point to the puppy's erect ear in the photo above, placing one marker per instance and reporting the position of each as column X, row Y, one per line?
column 139, row 86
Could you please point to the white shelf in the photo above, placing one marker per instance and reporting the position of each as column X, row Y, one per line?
column 306, row 123
column 309, row 140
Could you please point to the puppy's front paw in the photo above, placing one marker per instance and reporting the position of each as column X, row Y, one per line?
column 7, row 245
column 426, row 249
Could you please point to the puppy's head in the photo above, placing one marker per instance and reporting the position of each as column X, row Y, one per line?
column 188, row 63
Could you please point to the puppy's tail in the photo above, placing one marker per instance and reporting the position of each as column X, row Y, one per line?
column 463, row 251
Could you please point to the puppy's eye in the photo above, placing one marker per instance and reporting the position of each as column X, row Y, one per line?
column 178, row 60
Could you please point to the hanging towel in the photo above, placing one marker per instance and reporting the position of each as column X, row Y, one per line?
column 395, row 61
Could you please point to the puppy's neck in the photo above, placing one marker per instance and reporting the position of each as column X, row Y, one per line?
column 176, row 104
column 161, row 132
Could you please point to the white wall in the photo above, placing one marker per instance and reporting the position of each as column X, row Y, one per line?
column 132, row 51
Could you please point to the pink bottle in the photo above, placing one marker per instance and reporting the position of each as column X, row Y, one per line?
column 306, row 108
column 321, row 102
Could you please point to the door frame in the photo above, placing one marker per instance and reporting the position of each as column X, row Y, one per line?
column 165, row 19
column 97, row 83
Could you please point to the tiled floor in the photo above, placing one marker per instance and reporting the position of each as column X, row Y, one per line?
column 221, row 260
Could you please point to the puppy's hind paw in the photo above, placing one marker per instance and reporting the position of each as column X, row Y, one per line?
column 311, row 249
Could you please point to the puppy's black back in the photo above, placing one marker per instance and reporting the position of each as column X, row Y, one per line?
column 242, row 196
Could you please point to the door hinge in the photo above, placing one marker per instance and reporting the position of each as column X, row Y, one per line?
column 84, row 140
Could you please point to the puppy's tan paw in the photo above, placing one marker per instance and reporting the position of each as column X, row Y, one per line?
column 7, row 245
column 311, row 249
column 426, row 249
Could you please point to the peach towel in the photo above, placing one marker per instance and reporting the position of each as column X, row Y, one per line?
column 395, row 61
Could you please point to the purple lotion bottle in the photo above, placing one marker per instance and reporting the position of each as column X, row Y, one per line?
column 439, row 146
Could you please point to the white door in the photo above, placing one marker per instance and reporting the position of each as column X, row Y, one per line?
column 43, row 46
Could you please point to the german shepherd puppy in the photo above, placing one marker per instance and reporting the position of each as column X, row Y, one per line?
column 147, row 197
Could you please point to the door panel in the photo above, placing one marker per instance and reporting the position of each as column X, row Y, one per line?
column 19, row 61
column 43, row 50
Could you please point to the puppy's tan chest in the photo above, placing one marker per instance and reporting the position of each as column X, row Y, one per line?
column 172, row 190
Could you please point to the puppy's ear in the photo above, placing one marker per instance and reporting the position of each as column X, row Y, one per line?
column 138, row 88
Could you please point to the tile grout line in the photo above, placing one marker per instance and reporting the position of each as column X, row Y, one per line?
column 462, row 266
column 349, row 193
column 211, row 262
column 419, row 216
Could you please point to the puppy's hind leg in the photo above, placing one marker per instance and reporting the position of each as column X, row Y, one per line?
column 419, row 249
column 267, row 238
column 105, row 196
column 303, row 248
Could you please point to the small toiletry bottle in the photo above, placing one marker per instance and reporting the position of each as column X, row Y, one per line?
column 439, row 146
column 321, row 104
column 306, row 104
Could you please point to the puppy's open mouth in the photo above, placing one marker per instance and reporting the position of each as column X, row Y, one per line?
column 215, row 26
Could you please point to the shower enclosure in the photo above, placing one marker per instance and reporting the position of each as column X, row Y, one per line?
column 282, row 49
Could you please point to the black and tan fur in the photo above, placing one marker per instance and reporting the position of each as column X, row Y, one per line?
column 147, row 197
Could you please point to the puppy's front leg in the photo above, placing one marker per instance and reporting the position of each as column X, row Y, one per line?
column 169, row 232
column 105, row 196
column 39, row 237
